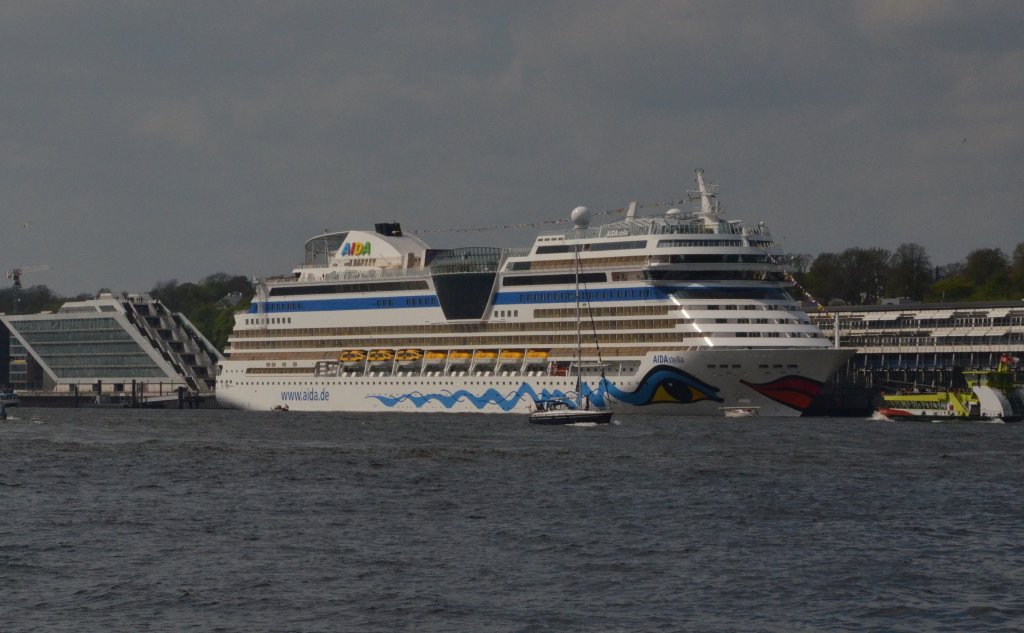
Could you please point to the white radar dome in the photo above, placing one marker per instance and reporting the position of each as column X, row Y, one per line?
column 673, row 212
column 580, row 217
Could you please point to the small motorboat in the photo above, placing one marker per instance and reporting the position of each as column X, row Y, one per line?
column 739, row 412
column 8, row 397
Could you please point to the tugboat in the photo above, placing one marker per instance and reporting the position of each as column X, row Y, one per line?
column 990, row 396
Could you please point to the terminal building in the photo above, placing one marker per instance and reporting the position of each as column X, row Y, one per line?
column 114, row 348
column 902, row 345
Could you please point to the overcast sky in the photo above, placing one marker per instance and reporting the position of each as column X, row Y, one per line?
column 148, row 141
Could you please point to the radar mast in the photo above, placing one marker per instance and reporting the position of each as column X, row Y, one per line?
column 706, row 193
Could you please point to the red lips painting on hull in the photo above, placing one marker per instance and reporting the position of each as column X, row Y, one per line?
column 793, row 391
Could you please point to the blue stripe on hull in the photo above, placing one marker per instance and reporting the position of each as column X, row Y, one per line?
column 506, row 298
column 430, row 301
column 365, row 303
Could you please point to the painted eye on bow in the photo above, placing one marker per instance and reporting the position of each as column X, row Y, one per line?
column 666, row 384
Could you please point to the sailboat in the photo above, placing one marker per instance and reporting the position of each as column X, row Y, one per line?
column 559, row 411
column 575, row 410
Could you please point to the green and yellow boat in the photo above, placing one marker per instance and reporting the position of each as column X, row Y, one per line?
column 989, row 396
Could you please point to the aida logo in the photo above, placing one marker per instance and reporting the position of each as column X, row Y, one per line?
column 355, row 249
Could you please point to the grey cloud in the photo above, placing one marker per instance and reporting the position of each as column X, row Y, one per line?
column 155, row 140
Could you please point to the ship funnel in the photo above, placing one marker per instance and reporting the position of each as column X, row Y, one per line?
column 388, row 228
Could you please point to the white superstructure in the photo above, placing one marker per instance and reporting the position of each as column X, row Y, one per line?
column 682, row 313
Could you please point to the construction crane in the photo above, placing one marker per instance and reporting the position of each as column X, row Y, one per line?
column 15, row 274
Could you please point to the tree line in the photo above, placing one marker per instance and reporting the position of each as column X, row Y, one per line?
column 210, row 304
column 863, row 276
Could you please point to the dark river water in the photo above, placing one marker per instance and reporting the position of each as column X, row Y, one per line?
column 129, row 520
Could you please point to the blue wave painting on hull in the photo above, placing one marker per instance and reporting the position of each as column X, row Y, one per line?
column 506, row 402
column 661, row 384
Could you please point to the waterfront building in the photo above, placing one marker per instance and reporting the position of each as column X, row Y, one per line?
column 114, row 345
column 902, row 345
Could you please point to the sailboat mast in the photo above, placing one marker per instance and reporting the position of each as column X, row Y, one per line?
column 579, row 351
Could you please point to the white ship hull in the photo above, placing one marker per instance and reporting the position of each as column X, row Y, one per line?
column 687, row 314
column 780, row 382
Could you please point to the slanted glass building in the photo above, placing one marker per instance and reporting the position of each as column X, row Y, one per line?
column 114, row 344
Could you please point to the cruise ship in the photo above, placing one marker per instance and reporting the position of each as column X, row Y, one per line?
column 679, row 313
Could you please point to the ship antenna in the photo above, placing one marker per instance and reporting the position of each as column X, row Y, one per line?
column 706, row 193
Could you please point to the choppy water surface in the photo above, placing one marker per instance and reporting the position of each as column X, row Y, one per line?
column 224, row 520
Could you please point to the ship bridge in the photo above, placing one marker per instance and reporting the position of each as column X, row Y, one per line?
column 464, row 280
